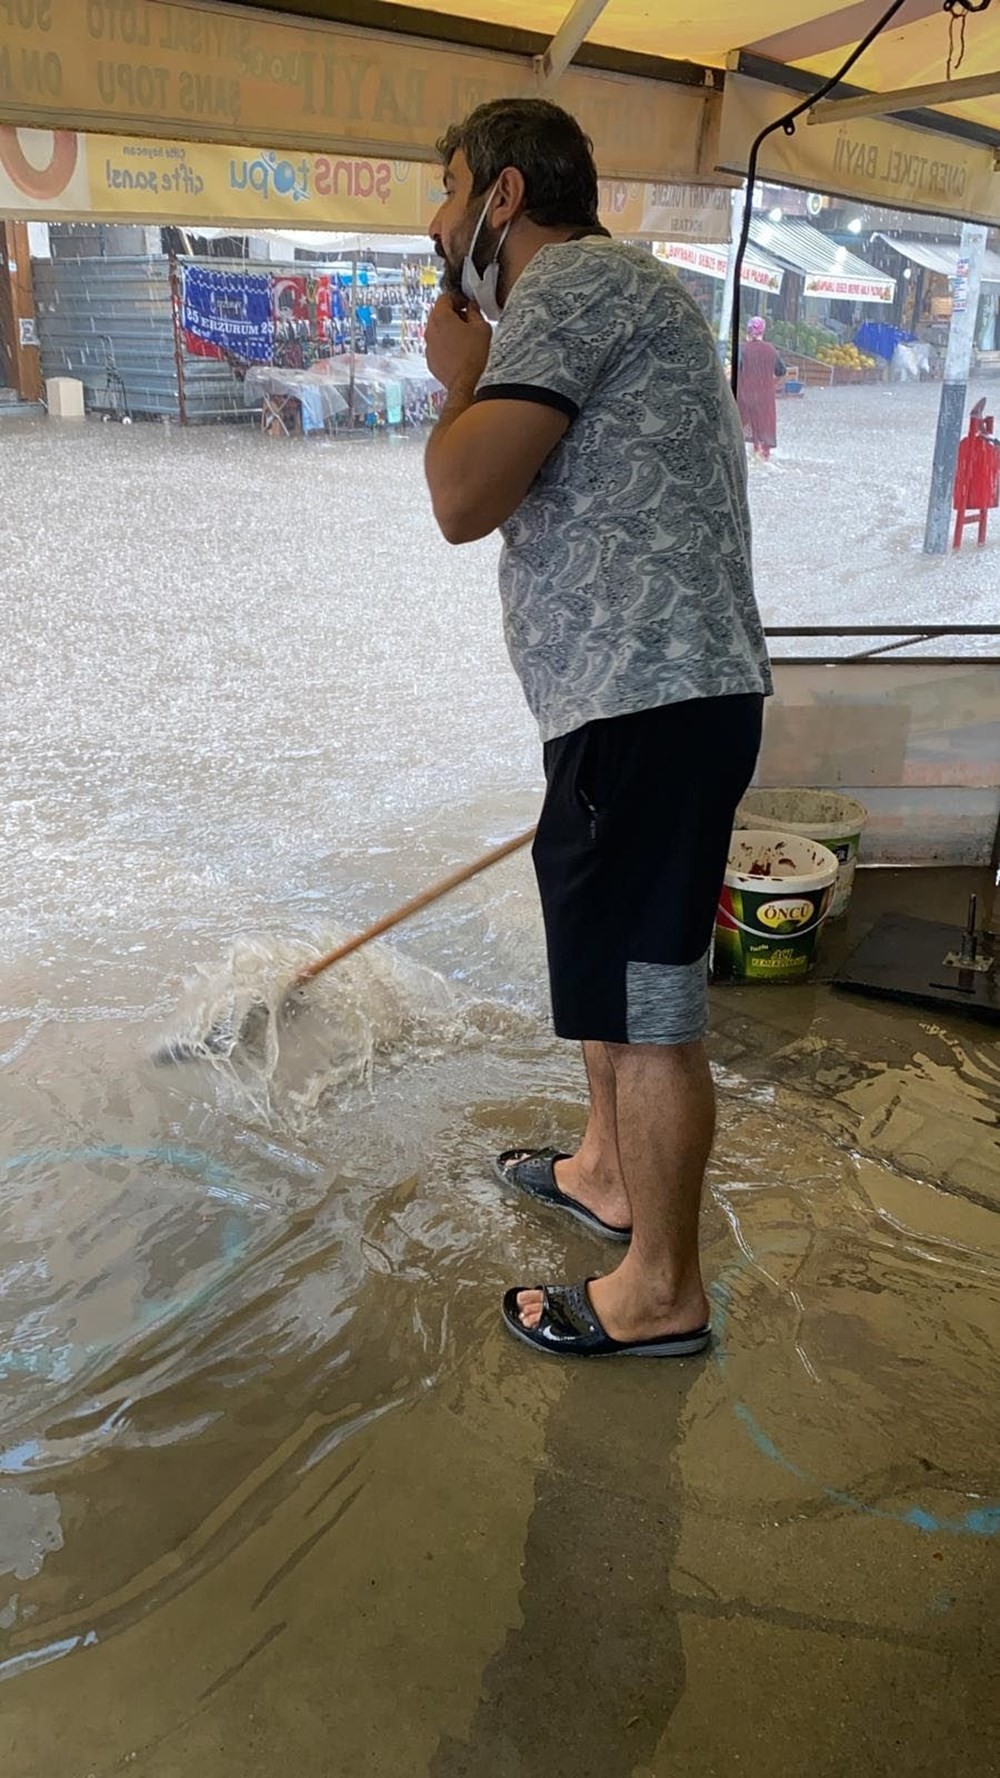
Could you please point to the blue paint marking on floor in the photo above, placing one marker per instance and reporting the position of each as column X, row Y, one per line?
column 60, row 1363
column 40, row 1657
column 981, row 1521
column 216, row 1178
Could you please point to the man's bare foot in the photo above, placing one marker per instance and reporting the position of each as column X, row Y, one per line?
column 631, row 1306
column 606, row 1197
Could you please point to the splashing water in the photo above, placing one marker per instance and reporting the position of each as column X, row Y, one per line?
column 290, row 1048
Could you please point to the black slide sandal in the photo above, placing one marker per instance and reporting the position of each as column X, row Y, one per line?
column 569, row 1328
column 533, row 1171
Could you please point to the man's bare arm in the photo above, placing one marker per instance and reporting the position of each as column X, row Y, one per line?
column 483, row 457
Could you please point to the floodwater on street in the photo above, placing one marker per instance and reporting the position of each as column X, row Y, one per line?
column 839, row 514
column 275, row 1487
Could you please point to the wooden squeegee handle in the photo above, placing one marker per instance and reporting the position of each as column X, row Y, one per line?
column 444, row 887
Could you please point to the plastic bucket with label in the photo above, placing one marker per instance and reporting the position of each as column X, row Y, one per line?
column 777, row 894
column 836, row 821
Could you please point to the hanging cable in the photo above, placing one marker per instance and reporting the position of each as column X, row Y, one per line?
column 955, row 62
column 787, row 124
column 958, row 11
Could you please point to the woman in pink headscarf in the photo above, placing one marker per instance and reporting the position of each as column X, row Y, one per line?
column 760, row 367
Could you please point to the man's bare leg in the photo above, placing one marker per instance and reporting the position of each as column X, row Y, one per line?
column 593, row 1176
column 665, row 1107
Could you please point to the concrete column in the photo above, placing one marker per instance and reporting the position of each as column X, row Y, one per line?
column 951, row 414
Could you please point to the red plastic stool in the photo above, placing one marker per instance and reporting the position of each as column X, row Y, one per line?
column 977, row 477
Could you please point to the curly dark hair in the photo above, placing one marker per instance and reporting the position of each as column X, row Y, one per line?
column 548, row 148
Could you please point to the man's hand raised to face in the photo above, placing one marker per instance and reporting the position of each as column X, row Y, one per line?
column 483, row 455
column 456, row 342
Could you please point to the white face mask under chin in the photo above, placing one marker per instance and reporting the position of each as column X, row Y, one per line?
column 481, row 287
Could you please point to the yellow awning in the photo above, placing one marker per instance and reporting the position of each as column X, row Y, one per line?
column 94, row 177
column 802, row 34
column 670, row 93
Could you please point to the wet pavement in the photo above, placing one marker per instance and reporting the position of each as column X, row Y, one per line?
column 274, row 1484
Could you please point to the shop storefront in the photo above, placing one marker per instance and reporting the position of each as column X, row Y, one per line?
column 930, row 271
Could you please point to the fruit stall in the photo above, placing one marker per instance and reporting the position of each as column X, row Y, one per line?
column 816, row 357
column 846, row 364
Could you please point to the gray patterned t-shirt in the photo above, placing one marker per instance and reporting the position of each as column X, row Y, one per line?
column 625, row 576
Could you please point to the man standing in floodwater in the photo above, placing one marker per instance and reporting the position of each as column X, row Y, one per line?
column 595, row 427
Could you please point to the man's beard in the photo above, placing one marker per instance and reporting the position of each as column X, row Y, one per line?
column 451, row 270
column 451, row 274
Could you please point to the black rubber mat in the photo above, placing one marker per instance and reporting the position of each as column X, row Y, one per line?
column 904, row 959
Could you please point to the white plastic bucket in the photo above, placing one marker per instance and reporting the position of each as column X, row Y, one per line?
column 777, row 894
column 836, row 821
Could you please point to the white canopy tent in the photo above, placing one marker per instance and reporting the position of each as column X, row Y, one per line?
column 827, row 270
column 942, row 257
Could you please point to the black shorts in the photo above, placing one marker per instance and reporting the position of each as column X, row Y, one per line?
column 630, row 856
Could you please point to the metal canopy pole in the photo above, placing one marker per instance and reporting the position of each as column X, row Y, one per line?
column 177, row 319
column 735, row 230
column 961, row 336
column 907, row 98
column 567, row 40
column 352, row 386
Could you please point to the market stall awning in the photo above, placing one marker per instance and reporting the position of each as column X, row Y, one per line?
column 802, row 34
column 828, row 270
column 760, row 271
column 941, row 257
column 329, row 243
column 668, row 93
